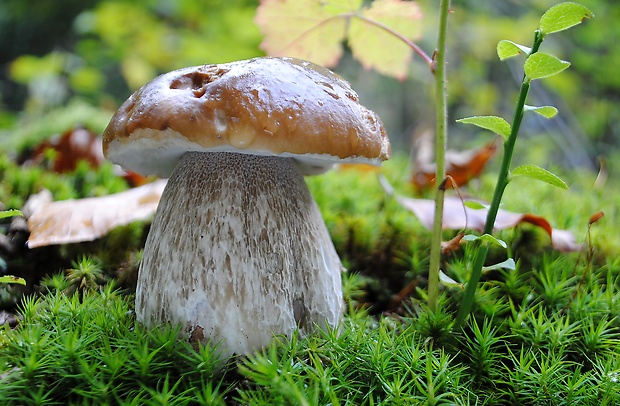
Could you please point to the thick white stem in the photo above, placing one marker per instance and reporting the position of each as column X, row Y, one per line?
column 238, row 252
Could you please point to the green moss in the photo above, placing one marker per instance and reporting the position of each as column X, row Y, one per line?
column 544, row 333
column 87, row 349
column 72, row 348
column 17, row 182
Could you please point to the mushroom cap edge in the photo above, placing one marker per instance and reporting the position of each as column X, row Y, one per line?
column 265, row 106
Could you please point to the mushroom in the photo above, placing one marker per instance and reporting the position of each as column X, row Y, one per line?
column 238, row 251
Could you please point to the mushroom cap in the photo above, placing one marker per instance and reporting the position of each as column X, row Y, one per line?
column 264, row 106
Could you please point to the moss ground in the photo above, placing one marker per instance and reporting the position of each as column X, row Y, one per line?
column 545, row 333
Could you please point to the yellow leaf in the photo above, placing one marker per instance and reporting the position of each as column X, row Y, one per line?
column 307, row 29
column 377, row 48
column 315, row 30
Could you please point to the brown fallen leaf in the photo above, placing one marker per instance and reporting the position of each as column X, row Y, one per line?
column 72, row 221
column 72, row 146
column 461, row 166
column 75, row 145
column 456, row 216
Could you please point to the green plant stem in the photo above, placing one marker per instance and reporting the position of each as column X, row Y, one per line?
column 440, row 155
column 502, row 181
column 504, row 173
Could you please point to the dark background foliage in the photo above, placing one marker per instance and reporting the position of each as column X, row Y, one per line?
column 67, row 62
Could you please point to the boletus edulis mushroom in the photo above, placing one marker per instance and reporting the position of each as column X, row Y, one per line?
column 238, row 251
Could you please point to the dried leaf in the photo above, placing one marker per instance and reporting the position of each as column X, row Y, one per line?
column 36, row 202
column 315, row 30
column 133, row 179
column 73, row 146
column 77, row 144
column 458, row 216
column 461, row 166
column 72, row 221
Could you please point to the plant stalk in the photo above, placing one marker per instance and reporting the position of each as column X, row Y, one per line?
column 502, row 181
column 440, row 154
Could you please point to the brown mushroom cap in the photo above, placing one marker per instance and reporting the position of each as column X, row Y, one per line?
column 265, row 106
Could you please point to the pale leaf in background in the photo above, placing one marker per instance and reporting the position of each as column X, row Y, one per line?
column 72, row 221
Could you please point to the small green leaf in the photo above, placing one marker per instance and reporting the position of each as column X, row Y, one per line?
column 507, row 264
column 563, row 16
column 486, row 239
column 470, row 237
column 12, row 279
column 9, row 213
column 474, row 205
column 507, row 49
column 493, row 123
column 489, row 239
column 538, row 173
column 545, row 111
column 449, row 282
column 541, row 65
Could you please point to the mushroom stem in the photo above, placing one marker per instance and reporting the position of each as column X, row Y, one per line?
column 238, row 252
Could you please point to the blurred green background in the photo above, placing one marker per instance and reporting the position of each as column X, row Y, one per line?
column 70, row 62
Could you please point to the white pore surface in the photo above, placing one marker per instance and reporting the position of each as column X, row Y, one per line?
column 238, row 252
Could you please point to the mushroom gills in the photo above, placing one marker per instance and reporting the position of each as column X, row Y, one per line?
column 238, row 249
